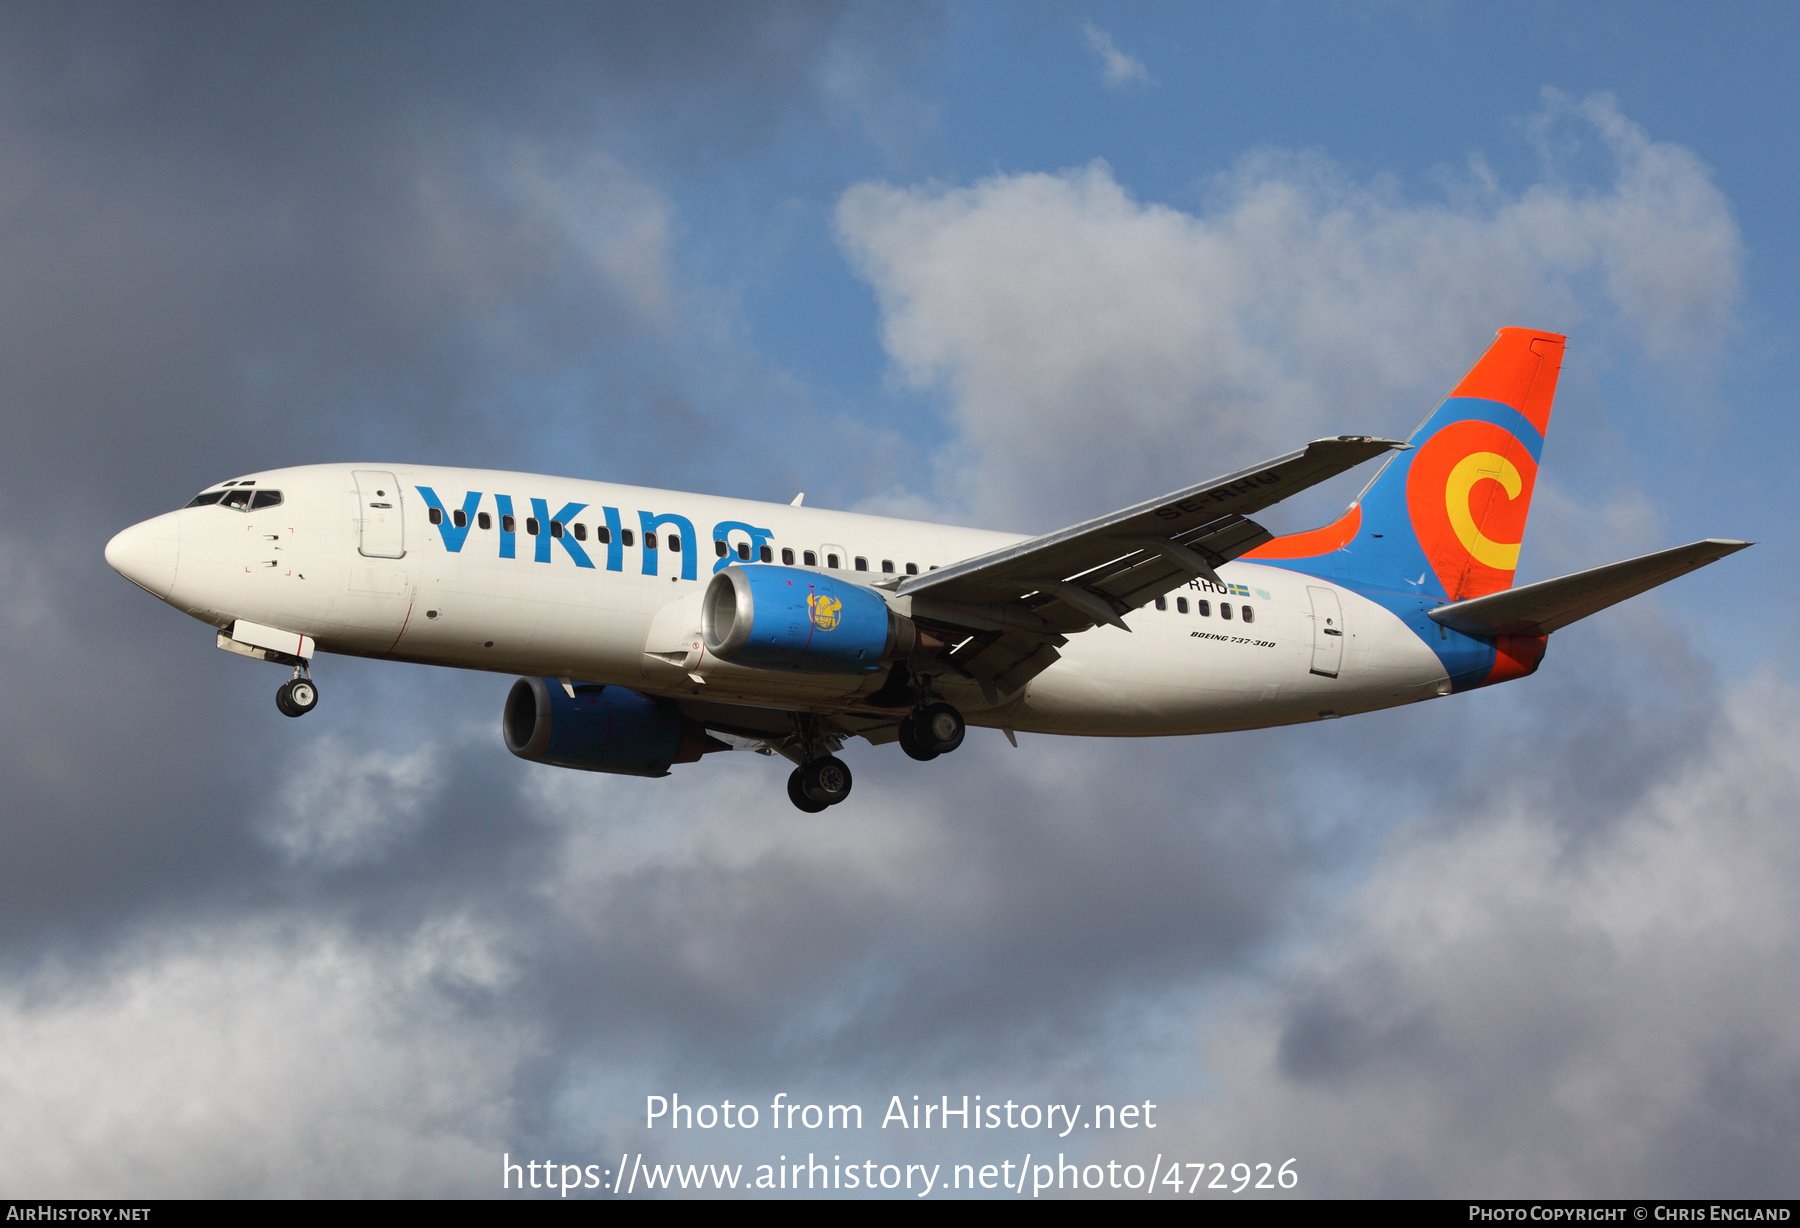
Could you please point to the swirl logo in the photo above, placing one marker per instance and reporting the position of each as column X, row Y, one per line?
column 825, row 611
column 1468, row 493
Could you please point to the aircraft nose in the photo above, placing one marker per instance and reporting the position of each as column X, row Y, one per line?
column 146, row 553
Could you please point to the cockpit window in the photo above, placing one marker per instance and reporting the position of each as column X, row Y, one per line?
column 242, row 499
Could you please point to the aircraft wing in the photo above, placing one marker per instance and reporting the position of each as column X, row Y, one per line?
column 1022, row 599
column 1095, row 571
column 1539, row 609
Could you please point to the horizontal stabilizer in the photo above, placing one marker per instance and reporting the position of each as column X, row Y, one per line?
column 1539, row 609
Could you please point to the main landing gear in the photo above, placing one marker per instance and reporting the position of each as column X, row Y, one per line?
column 819, row 783
column 297, row 696
column 935, row 729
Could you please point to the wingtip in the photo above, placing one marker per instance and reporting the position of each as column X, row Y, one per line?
column 1374, row 440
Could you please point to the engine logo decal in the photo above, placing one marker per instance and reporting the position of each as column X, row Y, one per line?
column 825, row 611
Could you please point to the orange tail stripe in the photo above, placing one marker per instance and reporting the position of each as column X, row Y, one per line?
column 1334, row 536
column 1519, row 370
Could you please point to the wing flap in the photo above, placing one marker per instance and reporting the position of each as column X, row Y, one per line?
column 1548, row 605
column 1140, row 577
column 1007, row 660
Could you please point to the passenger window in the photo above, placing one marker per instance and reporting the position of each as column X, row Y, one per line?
column 580, row 532
column 237, row 500
column 767, row 554
column 1248, row 613
column 625, row 537
column 1162, row 603
column 1181, row 605
column 265, row 498
column 508, row 524
column 556, row 528
column 649, row 541
column 1224, row 609
column 206, row 499
column 744, row 550
column 603, row 535
column 787, row 556
column 459, row 518
column 912, row 569
column 531, row 525
column 887, row 567
column 1203, row 608
column 862, row 564
column 435, row 516
column 675, row 543
column 831, row 562
column 720, row 548
column 812, row 560
column 483, row 520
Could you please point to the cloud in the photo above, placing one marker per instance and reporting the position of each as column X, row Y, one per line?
column 339, row 806
column 1515, row 1005
column 275, row 1058
column 1117, row 68
column 1070, row 329
column 274, row 238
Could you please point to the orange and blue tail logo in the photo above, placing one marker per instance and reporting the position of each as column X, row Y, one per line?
column 1443, row 521
column 1470, row 478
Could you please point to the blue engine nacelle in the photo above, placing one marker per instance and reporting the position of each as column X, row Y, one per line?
column 602, row 729
column 769, row 617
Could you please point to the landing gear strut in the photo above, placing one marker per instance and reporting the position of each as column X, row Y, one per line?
column 297, row 696
column 936, row 729
column 822, row 779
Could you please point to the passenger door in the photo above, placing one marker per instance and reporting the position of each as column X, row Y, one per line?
column 1328, row 631
column 380, row 530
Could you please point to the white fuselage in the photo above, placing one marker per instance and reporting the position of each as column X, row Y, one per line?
column 312, row 565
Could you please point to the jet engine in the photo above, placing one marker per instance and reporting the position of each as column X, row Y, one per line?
column 600, row 729
column 771, row 617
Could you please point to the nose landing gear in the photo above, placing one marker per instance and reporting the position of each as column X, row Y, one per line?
column 297, row 696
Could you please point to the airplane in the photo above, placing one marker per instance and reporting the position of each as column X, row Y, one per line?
column 653, row 627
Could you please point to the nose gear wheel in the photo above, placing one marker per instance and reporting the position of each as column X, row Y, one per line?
column 297, row 697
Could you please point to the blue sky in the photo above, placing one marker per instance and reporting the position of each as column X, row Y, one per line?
column 944, row 261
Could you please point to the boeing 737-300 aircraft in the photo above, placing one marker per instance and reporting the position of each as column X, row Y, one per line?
column 651, row 625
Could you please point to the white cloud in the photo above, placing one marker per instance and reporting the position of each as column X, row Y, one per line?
column 337, row 806
column 589, row 206
column 267, row 1061
column 1117, row 68
column 1077, row 331
column 1522, row 1004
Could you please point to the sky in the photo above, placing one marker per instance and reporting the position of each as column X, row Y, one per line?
column 995, row 264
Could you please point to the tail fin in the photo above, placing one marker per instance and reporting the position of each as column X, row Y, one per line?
column 1445, row 518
